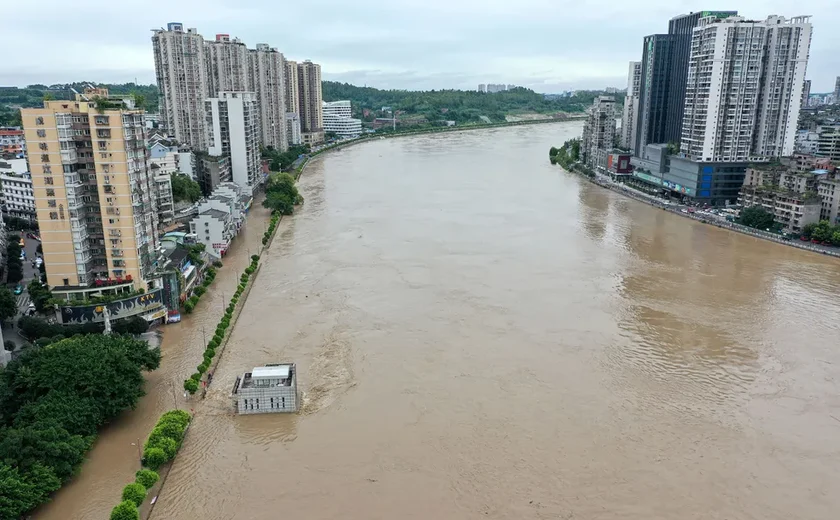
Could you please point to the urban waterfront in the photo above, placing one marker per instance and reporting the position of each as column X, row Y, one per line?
column 479, row 334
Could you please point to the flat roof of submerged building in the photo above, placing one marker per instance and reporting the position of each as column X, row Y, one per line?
column 274, row 371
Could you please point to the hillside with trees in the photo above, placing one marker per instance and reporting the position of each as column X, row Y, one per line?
column 461, row 106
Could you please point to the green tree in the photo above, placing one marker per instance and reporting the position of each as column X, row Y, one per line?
column 823, row 231
column 135, row 493
column 184, row 188
column 8, row 303
column 281, row 194
column 808, row 230
column 146, row 478
column 835, row 237
column 125, row 510
column 76, row 414
column 756, row 217
column 133, row 325
column 154, row 458
column 22, row 491
column 45, row 444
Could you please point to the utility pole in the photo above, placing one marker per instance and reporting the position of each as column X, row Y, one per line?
column 204, row 335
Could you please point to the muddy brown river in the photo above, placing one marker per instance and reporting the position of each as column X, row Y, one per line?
column 481, row 335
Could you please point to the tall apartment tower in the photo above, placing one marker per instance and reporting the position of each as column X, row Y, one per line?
column 234, row 131
column 227, row 65
column 806, row 93
column 664, row 71
column 631, row 105
column 266, row 73
column 291, row 87
column 744, row 88
column 182, row 80
column 598, row 129
column 309, row 96
column 94, row 191
column 837, row 90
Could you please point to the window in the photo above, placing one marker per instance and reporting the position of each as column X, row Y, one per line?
column 50, row 192
column 42, row 133
column 54, row 216
column 51, row 203
column 48, row 180
column 45, row 157
column 43, row 146
column 39, row 120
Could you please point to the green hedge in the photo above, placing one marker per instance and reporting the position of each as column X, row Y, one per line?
column 161, row 446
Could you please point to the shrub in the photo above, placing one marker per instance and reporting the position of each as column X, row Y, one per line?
column 244, row 278
column 202, row 368
column 231, row 308
column 168, row 445
column 146, row 478
column 154, row 457
column 255, row 258
column 265, row 240
column 200, row 290
column 135, row 493
column 217, row 264
column 213, row 344
column 125, row 511
column 169, row 428
column 196, row 376
column 219, row 337
column 181, row 416
column 188, row 307
column 249, row 270
column 241, row 287
column 190, row 385
column 210, row 352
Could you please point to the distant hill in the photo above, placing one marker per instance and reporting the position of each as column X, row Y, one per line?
column 461, row 106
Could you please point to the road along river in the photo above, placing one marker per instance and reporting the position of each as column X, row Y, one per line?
column 481, row 335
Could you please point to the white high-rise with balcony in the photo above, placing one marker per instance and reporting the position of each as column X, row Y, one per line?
column 227, row 65
column 744, row 88
column 631, row 105
column 233, row 131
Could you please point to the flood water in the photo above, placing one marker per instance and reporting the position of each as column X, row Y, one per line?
column 481, row 335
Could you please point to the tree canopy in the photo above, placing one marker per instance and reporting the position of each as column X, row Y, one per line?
column 823, row 231
column 184, row 188
column 281, row 194
column 52, row 400
column 756, row 217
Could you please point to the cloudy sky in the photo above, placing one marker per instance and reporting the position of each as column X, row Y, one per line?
column 546, row 45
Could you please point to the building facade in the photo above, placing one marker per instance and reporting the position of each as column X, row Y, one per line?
column 309, row 96
column 337, row 119
column 744, row 88
column 165, row 202
column 226, row 65
column 631, row 106
column 828, row 142
column 94, row 192
column 17, row 198
column 12, row 141
column 180, row 68
column 266, row 74
column 654, row 90
column 598, row 129
column 293, row 129
column 268, row 389
column 291, row 87
column 233, row 124
column 791, row 209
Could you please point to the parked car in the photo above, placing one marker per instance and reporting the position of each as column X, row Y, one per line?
column 803, row 238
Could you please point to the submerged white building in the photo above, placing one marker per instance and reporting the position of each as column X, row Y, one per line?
column 267, row 389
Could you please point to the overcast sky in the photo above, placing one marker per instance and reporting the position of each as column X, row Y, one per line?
column 546, row 45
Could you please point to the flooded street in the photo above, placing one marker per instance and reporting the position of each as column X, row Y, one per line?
column 111, row 463
column 479, row 334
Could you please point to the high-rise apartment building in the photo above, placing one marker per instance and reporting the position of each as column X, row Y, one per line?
column 482, row 87
column 233, row 131
column 631, row 105
column 292, row 90
column 598, row 129
column 266, row 79
column 309, row 96
column 182, row 80
column 806, row 93
column 227, row 65
column 94, row 192
column 837, row 90
column 744, row 88
column 654, row 90
column 293, row 129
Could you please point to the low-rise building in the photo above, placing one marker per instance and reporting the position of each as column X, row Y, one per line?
column 165, row 202
column 220, row 217
column 16, row 196
column 791, row 209
column 212, row 170
column 12, row 141
column 829, row 191
column 267, row 389
column 338, row 119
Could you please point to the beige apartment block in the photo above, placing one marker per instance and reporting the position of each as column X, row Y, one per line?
column 227, row 65
column 266, row 74
column 94, row 192
column 311, row 104
column 291, row 86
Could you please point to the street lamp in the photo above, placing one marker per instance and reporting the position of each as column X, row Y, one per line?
column 139, row 452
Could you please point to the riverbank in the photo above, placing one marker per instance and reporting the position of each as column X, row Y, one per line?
column 732, row 226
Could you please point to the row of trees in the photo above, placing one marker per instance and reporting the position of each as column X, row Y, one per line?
column 281, row 194
column 566, row 155
column 14, row 264
column 282, row 161
column 53, row 400
column 823, row 231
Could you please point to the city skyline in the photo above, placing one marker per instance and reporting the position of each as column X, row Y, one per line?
column 391, row 46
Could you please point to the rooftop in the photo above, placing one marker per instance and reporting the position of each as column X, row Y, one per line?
column 281, row 374
column 216, row 213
